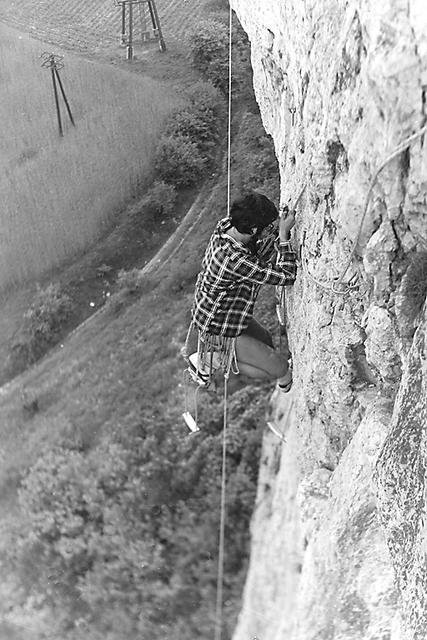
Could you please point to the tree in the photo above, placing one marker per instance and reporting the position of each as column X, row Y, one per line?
column 179, row 161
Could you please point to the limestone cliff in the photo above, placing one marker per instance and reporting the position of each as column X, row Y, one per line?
column 338, row 533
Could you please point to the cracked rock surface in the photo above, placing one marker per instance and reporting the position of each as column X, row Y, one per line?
column 338, row 533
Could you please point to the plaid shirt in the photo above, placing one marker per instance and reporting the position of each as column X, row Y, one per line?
column 230, row 279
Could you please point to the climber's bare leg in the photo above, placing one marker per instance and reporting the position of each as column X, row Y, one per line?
column 257, row 360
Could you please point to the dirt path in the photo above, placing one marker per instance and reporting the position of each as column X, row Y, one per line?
column 203, row 203
column 175, row 242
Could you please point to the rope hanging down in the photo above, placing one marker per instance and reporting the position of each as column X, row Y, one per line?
column 280, row 290
column 220, row 575
column 333, row 285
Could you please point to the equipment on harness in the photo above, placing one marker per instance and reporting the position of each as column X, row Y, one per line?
column 213, row 353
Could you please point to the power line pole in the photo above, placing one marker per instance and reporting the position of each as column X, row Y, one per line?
column 54, row 63
column 129, row 49
column 123, row 36
column 128, row 20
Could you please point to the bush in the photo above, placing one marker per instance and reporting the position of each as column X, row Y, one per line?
column 50, row 308
column 188, row 146
column 218, row 5
column 161, row 198
column 200, row 120
column 71, row 506
column 179, row 161
column 42, row 324
column 209, row 51
column 199, row 127
column 124, row 535
column 203, row 96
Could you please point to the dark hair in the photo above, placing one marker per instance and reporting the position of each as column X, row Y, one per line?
column 252, row 212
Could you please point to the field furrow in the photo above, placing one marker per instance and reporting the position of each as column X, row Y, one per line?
column 94, row 28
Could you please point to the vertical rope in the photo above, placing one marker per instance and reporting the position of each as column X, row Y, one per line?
column 230, row 83
column 220, row 576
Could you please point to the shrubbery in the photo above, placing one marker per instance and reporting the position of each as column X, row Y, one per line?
column 125, row 536
column 41, row 326
column 194, row 125
column 188, row 147
column 179, row 161
column 210, row 53
column 161, row 198
column 204, row 97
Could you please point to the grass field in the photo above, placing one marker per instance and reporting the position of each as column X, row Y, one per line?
column 57, row 194
column 93, row 27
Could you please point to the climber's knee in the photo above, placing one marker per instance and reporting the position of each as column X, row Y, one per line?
column 257, row 360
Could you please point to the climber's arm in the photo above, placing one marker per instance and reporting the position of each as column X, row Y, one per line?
column 286, row 258
column 284, row 273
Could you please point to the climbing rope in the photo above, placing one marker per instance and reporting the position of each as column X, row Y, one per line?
column 280, row 290
column 337, row 286
column 398, row 150
column 220, row 574
column 230, row 28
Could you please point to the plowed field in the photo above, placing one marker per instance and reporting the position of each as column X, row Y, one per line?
column 93, row 27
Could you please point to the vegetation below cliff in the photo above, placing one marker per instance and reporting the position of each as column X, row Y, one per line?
column 111, row 512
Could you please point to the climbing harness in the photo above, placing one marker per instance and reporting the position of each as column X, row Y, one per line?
column 213, row 353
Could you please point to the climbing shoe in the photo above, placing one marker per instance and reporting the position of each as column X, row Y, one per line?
column 199, row 373
column 285, row 383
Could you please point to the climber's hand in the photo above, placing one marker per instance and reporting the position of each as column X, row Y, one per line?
column 286, row 222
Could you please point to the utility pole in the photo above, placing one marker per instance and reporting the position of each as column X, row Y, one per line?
column 54, row 63
column 129, row 48
column 128, row 22
column 123, row 36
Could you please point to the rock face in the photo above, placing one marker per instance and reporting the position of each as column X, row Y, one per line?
column 338, row 534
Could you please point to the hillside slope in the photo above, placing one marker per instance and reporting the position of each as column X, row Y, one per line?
column 113, row 386
column 338, row 540
column 118, row 374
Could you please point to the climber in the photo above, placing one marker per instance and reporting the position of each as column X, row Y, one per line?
column 238, row 260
